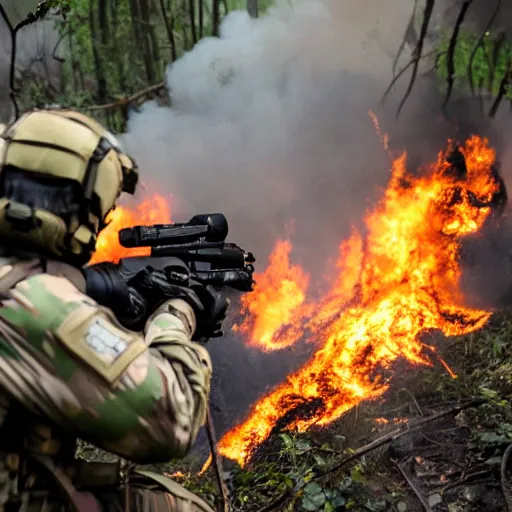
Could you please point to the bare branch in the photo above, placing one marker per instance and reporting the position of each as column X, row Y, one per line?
column 129, row 100
column 479, row 45
column 506, row 82
column 417, row 54
column 410, row 26
column 450, row 59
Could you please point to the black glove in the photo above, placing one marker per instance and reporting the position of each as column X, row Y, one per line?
column 209, row 306
column 238, row 279
column 209, row 320
column 133, row 293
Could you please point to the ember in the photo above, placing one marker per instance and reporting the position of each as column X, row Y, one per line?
column 394, row 283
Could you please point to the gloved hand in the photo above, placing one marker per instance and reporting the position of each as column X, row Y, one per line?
column 210, row 306
column 209, row 320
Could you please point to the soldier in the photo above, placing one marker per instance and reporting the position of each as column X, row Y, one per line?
column 68, row 369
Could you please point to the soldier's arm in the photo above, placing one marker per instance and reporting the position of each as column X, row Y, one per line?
column 62, row 355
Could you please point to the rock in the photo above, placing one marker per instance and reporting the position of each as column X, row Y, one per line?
column 401, row 506
column 434, row 499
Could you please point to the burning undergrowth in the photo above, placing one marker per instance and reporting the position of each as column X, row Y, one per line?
column 397, row 279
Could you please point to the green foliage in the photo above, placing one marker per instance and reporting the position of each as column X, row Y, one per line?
column 488, row 65
column 113, row 50
column 291, row 469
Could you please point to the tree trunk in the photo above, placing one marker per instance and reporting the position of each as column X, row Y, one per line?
column 192, row 18
column 169, row 27
column 215, row 17
column 101, row 81
column 115, row 46
column 103, row 21
column 252, row 8
column 146, row 38
column 201, row 19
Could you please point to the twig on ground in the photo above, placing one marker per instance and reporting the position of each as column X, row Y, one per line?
column 381, row 441
column 413, row 398
column 464, row 480
column 217, row 463
column 413, row 487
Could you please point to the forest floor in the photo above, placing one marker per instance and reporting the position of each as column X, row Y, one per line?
column 430, row 454
column 418, row 448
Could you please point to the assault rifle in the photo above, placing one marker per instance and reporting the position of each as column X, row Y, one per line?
column 187, row 256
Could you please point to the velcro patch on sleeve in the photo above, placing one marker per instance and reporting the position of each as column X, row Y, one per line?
column 98, row 342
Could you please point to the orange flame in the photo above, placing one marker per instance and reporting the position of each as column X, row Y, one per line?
column 275, row 302
column 154, row 210
column 398, row 280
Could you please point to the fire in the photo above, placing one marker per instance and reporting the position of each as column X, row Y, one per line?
column 276, row 301
column 397, row 281
column 154, row 210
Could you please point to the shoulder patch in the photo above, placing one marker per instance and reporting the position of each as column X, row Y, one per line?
column 102, row 339
column 100, row 343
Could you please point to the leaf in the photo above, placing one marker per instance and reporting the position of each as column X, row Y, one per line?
column 287, row 441
column 492, row 438
column 339, row 501
column 320, row 461
column 488, row 394
column 376, row 505
column 345, row 483
column 303, row 445
column 313, row 501
column 313, row 488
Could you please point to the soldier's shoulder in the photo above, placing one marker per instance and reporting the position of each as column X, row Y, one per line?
column 43, row 300
column 41, row 287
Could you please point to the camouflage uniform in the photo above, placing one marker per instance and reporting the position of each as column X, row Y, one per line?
column 68, row 369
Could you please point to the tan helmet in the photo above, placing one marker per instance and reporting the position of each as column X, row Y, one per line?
column 61, row 173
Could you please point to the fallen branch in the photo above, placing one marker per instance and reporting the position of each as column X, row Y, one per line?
column 367, row 448
column 414, row 489
column 472, row 479
column 217, row 463
column 126, row 101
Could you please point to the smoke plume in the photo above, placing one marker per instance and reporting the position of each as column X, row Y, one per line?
column 269, row 124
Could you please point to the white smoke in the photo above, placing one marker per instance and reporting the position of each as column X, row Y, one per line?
column 269, row 122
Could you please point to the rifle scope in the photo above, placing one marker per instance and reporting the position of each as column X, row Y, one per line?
column 208, row 227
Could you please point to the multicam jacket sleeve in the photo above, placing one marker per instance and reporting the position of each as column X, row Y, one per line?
column 65, row 357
